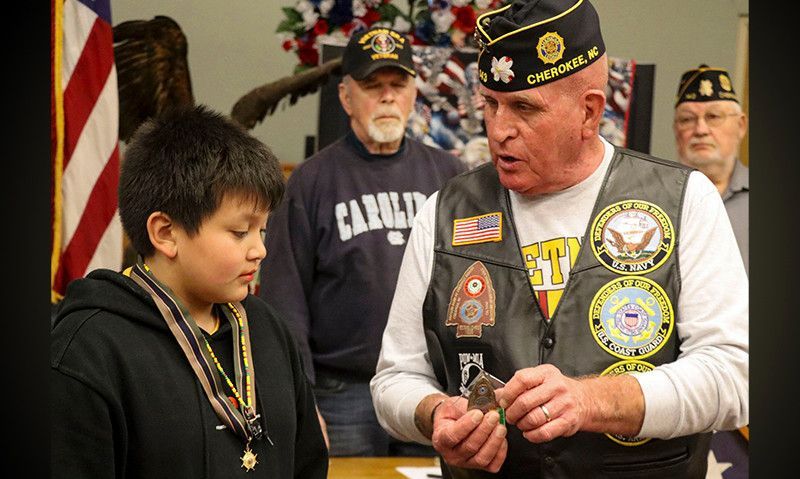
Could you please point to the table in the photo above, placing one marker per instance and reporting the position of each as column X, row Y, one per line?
column 374, row 467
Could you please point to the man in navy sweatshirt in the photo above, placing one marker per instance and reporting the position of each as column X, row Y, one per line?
column 336, row 242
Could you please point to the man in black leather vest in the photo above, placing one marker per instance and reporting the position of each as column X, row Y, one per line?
column 602, row 285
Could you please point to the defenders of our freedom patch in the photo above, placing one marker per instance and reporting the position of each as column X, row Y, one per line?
column 632, row 237
column 486, row 228
column 631, row 317
column 625, row 367
column 472, row 302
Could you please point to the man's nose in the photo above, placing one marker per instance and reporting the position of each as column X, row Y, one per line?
column 500, row 126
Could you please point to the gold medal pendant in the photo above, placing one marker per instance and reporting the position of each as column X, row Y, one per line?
column 249, row 460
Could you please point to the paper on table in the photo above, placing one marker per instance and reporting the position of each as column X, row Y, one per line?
column 420, row 472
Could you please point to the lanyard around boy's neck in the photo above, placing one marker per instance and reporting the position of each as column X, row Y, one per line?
column 242, row 420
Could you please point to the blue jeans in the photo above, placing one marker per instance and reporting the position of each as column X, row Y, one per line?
column 353, row 428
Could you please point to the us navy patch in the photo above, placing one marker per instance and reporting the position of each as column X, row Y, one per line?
column 631, row 317
column 625, row 367
column 632, row 237
column 472, row 302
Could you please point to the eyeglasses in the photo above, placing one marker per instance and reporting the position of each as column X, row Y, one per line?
column 712, row 119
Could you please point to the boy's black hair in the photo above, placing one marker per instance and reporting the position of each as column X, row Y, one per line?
column 183, row 163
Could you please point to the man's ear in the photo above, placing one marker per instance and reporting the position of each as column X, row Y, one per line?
column 161, row 231
column 743, row 123
column 594, row 103
column 344, row 97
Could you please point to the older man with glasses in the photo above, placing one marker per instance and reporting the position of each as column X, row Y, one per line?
column 709, row 127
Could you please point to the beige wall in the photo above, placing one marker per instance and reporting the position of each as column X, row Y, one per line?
column 233, row 48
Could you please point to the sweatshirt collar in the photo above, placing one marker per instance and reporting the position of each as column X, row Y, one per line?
column 362, row 151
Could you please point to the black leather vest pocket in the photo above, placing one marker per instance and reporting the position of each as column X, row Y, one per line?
column 673, row 466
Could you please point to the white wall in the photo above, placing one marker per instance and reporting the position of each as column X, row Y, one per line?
column 233, row 48
column 675, row 35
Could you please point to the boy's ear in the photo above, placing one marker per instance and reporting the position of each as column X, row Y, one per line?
column 161, row 230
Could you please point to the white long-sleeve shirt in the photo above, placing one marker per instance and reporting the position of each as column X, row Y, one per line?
column 705, row 389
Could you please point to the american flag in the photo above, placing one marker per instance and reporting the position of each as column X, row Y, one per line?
column 87, row 233
column 478, row 229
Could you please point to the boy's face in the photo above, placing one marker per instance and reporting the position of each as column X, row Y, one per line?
column 217, row 264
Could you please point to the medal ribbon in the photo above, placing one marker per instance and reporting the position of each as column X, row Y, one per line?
column 193, row 343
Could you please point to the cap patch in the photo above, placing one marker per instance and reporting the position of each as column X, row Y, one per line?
column 383, row 45
column 705, row 84
column 550, row 47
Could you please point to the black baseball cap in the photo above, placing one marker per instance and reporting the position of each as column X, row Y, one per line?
column 376, row 48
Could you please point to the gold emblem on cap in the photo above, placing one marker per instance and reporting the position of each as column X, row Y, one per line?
column 383, row 43
column 706, row 88
column 725, row 82
column 550, row 48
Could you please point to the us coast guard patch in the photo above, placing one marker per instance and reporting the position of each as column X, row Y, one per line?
column 632, row 237
column 631, row 317
column 472, row 302
column 625, row 367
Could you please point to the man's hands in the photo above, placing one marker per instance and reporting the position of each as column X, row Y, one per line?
column 540, row 401
column 545, row 404
column 468, row 439
column 532, row 392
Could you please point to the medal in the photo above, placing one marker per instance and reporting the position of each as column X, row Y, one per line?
column 249, row 459
column 240, row 413
column 482, row 394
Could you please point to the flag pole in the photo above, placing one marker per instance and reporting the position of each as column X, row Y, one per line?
column 58, row 153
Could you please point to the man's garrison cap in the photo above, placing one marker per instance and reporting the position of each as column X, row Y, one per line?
column 529, row 43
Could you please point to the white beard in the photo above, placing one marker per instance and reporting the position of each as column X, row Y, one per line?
column 388, row 131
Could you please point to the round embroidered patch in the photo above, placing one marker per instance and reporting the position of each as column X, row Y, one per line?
column 470, row 311
column 631, row 317
column 382, row 43
column 632, row 237
column 474, row 286
column 625, row 367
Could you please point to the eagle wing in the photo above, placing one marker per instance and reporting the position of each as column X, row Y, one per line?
column 618, row 240
column 261, row 101
column 152, row 70
column 646, row 237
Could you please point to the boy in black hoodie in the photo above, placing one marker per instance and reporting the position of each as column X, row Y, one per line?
column 170, row 368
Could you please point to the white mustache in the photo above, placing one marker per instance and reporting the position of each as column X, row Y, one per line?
column 695, row 142
column 386, row 112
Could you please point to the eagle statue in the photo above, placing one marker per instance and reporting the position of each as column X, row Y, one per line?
column 153, row 76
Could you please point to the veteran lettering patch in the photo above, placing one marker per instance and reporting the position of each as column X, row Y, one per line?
column 631, row 317
column 472, row 302
column 632, row 237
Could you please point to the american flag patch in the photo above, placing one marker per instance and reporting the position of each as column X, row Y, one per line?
column 478, row 229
